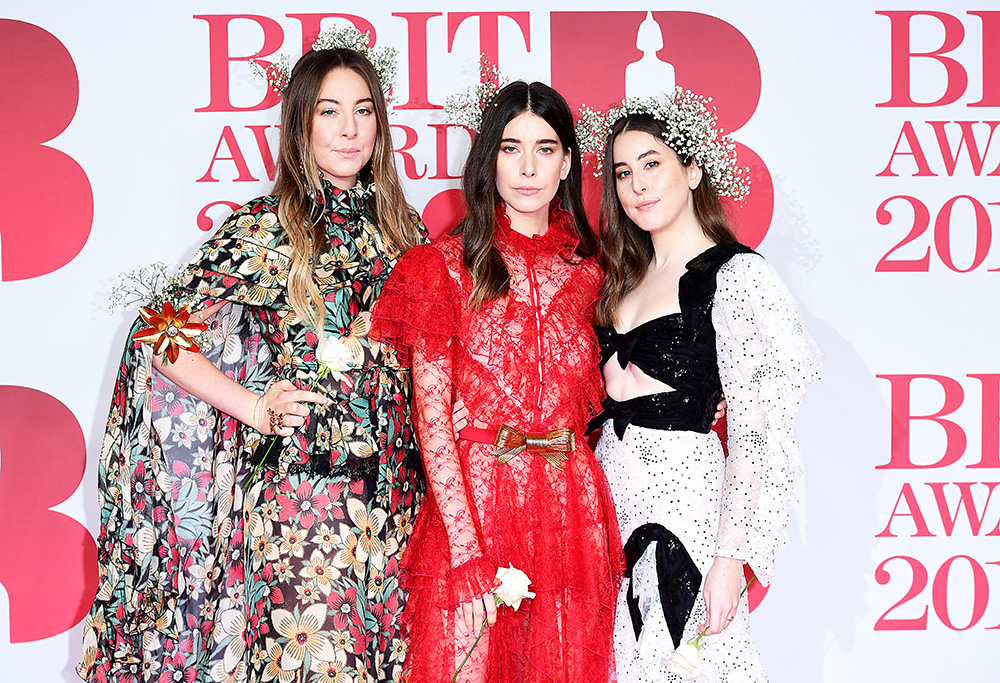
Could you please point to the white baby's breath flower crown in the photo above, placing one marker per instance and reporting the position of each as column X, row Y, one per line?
column 692, row 132
column 467, row 108
column 382, row 58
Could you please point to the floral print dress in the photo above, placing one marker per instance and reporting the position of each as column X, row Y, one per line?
column 213, row 571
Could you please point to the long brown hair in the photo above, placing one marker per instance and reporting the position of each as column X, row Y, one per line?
column 626, row 249
column 298, row 180
column 490, row 277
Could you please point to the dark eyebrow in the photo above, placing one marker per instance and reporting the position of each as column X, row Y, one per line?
column 540, row 142
column 332, row 101
column 641, row 156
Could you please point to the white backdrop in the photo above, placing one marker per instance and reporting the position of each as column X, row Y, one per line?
column 893, row 573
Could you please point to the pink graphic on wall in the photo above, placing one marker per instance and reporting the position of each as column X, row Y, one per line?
column 600, row 57
column 50, row 207
column 48, row 561
column 444, row 212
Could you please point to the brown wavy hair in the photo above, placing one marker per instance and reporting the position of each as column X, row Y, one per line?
column 482, row 260
column 627, row 249
column 298, row 181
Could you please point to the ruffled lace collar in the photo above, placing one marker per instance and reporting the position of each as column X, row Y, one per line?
column 560, row 238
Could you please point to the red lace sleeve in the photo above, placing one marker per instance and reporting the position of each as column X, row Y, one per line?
column 471, row 574
column 417, row 308
column 418, row 314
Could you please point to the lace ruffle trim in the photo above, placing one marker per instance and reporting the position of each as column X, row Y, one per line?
column 785, row 360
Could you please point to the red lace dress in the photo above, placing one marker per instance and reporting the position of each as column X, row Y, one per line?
column 528, row 360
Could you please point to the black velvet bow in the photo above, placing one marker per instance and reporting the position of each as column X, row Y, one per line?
column 622, row 415
column 677, row 576
column 624, row 346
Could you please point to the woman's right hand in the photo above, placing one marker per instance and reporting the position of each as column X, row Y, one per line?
column 473, row 612
column 459, row 415
column 284, row 400
column 722, row 594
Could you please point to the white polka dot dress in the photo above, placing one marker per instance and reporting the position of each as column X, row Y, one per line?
column 735, row 507
column 673, row 479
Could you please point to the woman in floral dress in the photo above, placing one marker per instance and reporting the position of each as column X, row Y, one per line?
column 210, row 567
column 501, row 314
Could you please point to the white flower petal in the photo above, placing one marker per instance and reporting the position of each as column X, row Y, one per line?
column 144, row 540
column 284, row 622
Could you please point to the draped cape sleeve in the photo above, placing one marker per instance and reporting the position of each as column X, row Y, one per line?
column 246, row 261
column 144, row 586
column 767, row 359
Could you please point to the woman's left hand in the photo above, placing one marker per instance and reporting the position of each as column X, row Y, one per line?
column 720, row 411
column 722, row 594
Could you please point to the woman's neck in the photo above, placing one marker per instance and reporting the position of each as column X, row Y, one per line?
column 528, row 224
column 679, row 242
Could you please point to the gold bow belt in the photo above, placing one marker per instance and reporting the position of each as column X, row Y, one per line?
column 509, row 443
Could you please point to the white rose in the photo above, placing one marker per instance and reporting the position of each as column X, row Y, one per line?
column 334, row 354
column 684, row 661
column 513, row 586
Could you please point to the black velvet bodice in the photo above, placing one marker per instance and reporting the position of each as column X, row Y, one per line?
column 676, row 349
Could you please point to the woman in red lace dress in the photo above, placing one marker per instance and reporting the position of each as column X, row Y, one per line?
column 501, row 314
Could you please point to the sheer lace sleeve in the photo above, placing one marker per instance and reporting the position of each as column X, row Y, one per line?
column 767, row 359
column 471, row 574
column 417, row 314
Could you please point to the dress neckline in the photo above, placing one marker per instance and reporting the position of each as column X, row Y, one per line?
column 560, row 238
column 697, row 263
column 665, row 316
column 350, row 202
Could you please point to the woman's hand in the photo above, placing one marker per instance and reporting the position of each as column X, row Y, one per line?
column 722, row 594
column 459, row 415
column 720, row 411
column 281, row 411
column 473, row 612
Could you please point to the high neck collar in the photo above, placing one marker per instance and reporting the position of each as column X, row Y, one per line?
column 560, row 238
column 351, row 201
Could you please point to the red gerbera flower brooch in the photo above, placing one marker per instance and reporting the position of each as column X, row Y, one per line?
column 169, row 330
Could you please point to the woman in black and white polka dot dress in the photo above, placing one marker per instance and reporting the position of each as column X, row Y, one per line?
column 686, row 314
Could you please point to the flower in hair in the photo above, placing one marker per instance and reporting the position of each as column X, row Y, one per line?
column 276, row 73
column 466, row 109
column 692, row 132
column 337, row 37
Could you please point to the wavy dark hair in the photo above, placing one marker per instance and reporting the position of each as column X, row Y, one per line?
column 627, row 249
column 482, row 260
column 298, row 180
